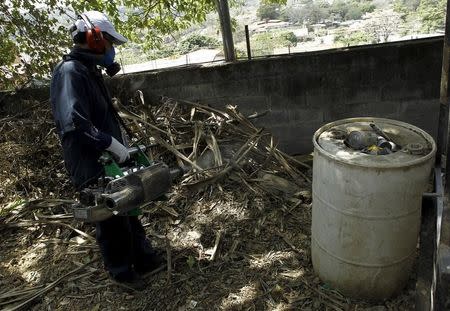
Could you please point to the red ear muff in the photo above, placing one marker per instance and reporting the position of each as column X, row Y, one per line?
column 95, row 41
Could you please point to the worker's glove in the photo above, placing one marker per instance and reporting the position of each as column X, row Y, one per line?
column 119, row 151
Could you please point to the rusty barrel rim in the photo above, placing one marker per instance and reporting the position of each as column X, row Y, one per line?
column 414, row 162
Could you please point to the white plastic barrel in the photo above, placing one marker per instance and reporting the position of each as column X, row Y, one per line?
column 366, row 208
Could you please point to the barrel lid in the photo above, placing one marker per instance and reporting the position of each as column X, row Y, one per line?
column 415, row 145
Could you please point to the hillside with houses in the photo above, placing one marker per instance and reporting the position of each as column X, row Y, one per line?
column 299, row 26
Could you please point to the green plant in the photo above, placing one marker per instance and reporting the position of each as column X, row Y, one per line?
column 432, row 14
column 265, row 43
column 194, row 42
column 354, row 13
column 289, row 38
column 355, row 38
column 268, row 11
column 240, row 53
column 262, row 44
column 346, row 10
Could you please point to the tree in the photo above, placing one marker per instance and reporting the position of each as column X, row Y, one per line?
column 310, row 12
column 346, row 10
column 432, row 14
column 403, row 6
column 317, row 12
column 38, row 32
column 339, row 8
column 32, row 35
column 382, row 24
column 40, row 35
column 400, row 7
column 195, row 42
column 354, row 12
column 354, row 38
column 289, row 38
column 265, row 43
column 8, row 51
column 295, row 15
column 268, row 11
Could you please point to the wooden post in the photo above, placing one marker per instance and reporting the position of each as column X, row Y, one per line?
column 443, row 128
column 227, row 33
column 443, row 160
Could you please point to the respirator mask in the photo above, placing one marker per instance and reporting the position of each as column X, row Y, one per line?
column 107, row 61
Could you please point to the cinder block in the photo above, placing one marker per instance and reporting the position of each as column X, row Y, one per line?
column 295, row 138
column 363, row 109
column 421, row 113
column 400, row 90
column 229, row 88
column 318, row 98
column 360, row 93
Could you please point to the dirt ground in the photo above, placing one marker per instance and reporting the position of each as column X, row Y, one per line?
column 227, row 247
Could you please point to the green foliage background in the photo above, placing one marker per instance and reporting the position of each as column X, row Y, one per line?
column 432, row 14
column 34, row 33
column 34, row 28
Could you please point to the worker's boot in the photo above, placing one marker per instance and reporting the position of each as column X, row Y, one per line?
column 148, row 262
column 145, row 258
column 130, row 280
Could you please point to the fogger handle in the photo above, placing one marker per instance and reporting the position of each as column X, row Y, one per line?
column 136, row 149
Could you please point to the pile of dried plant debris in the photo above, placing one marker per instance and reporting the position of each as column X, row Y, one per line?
column 235, row 230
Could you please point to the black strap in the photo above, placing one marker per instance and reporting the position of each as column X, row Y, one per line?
column 127, row 129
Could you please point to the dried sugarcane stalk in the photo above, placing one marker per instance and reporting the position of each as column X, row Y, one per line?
column 50, row 286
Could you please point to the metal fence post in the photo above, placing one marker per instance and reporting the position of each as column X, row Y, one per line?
column 247, row 40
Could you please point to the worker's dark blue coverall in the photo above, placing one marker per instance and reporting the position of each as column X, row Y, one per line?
column 85, row 121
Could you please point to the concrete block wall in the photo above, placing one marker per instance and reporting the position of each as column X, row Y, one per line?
column 304, row 91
